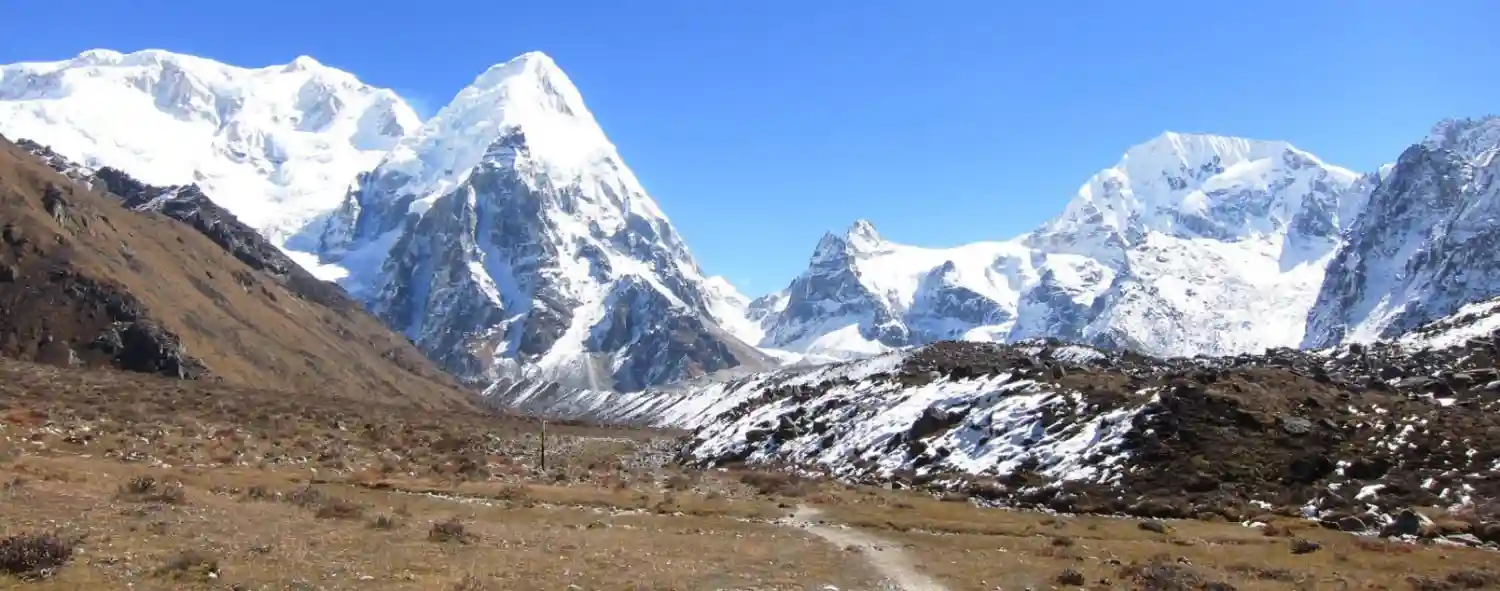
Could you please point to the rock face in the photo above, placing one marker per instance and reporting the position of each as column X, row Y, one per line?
column 507, row 239
column 189, row 205
column 1426, row 245
column 1072, row 428
column 1192, row 244
column 275, row 145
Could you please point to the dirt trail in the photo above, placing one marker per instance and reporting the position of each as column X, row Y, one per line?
column 885, row 556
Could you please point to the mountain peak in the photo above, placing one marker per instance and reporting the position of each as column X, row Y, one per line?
column 861, row 234
column 1173, row 148
column 99, row 56
column 1467, row 136
column 525, row 101
column 533, row 64
column 303, row 63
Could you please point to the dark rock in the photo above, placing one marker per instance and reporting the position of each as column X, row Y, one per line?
column 932, row 420
column 1296, row 425
column 8, row 273
column 1407, row 523
column 1301, row 546
column 1415, row 383
column 1488, row 531
column 1153, row 526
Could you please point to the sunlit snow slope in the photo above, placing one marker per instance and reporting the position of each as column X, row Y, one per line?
column 277, row 146
column 1191, row 244
column 507, row 238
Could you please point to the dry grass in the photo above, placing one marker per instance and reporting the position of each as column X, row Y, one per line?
column 225, row 538
column 247, row 327
column 967, row 547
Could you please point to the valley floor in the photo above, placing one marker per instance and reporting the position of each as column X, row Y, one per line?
column 158, row 484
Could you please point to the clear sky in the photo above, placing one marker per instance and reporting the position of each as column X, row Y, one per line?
column 760, row 125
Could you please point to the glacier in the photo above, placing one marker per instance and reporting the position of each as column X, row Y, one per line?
column 1191, row 244
column 275, row 145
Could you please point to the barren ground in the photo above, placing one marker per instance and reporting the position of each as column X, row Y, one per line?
column 279, row 491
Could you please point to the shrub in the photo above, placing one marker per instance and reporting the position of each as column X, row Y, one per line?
column 451, row 530
column 259, row 493
column 191, row 564
column 150, row 490
column 307, row 497
column 34, row 556
column 1071, row 577
column 1474, row 579
column 384, row 522
column 336, row 508
column 1301, row 546
column 469, row 583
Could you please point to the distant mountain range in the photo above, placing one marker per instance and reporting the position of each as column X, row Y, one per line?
column 507, row 239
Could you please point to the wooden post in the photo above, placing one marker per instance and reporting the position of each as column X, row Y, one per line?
column 544, row 445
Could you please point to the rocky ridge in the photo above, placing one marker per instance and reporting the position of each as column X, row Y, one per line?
column 1352, row 436
column 1426, row 244
column 162, row 281
column 1191, row 244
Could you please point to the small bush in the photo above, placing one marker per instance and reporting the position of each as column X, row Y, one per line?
column 1166, row 576
column 1153, row 526
column 451, row 530
column 1474, row 579
column 1071, row 577
column 1301, row 546
column 307, row 497
column 1063, row 541
column 680, row 482
column 190, row 564
column 514, row 492
column 384, row 522
column 1265, row 573
column 34, row 556
column 259, row 493
column 336, row 508
column 469, row 583
column 150, row 490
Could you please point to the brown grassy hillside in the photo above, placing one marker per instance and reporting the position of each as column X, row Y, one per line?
column 84, row 281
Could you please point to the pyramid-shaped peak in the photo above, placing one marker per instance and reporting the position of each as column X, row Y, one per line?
column 862, row 231
column 532, row 64
column 303, row 63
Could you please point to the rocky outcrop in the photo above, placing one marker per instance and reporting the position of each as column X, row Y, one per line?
column 161, row 281
column 189, row 205
column 1426, row 244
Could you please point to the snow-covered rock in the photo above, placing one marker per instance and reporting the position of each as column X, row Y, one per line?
column 1427, row 244
column 277, row 146
column 1191, row 244
column 508, row 239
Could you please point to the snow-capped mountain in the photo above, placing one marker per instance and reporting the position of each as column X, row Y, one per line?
column 277, row 146
column 1191, row 244
column 1427, row 244
column 508, row 239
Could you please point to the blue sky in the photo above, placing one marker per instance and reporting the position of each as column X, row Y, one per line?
column 760, row 125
